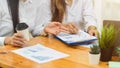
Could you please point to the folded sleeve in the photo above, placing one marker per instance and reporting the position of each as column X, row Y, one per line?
column 2, row 41
column 88, row 14
column 2, row 32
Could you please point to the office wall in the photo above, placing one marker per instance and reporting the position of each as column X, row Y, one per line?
column 111, row 10
column 106, row 10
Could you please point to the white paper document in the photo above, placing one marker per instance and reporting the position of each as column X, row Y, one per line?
column 80, row 38
column 40, row 53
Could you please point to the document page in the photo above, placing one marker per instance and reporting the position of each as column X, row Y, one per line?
column 75, row 38
column 40, row 53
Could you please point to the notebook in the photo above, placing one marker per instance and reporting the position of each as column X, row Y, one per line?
column 114, row 64
column 82, row 38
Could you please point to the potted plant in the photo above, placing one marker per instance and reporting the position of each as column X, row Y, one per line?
column 94, row 54
column 106, row 42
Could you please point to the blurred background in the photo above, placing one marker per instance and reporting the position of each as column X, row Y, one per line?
column 107, row 10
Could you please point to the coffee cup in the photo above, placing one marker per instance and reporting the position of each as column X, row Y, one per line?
column 23, row 29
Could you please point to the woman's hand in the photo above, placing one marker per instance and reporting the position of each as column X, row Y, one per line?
column 52, row 28
column 92, row 30
column 55, row 28
column 16, row 40
column 73, row 29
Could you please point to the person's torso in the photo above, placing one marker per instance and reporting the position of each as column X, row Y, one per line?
column 74, row 13
column 27, row 14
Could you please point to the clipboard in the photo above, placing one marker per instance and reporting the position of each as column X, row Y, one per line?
column 82, row 38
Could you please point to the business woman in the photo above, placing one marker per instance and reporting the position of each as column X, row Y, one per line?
column 73, row 14
column 26, row 11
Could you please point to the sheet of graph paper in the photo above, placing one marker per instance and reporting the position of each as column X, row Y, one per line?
column 40, row 53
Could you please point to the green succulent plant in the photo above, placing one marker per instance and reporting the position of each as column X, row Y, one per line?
column 95, row 49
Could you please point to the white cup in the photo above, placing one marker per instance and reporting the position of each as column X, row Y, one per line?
column 23, row 29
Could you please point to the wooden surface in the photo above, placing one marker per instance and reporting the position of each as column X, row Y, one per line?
column 78, row 56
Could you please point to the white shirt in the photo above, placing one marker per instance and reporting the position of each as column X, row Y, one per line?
column 27, row 13
column 81, row 13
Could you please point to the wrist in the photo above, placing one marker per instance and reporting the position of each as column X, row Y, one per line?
column 44, row 32
column 7, row 40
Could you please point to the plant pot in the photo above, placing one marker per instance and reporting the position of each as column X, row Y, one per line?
column 94, row 58
column 106, row 54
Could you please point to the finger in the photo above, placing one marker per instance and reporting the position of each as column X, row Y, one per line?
column 57, row 23
column 19, row 39
column 74, row 26
column 75, row 31
column 89, row 32
column 70, row 26
column 18, row 43
column 72, row 31
column 18, row 35
column 64, row 28
column 66, row 31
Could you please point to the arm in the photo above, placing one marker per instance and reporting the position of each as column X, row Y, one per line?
column 16, row 40
column 6, row 29
column 43, row 21
column 89, row 18
column 1, row 38
column 43, row 18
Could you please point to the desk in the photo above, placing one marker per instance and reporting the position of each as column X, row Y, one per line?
column 78, row 56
